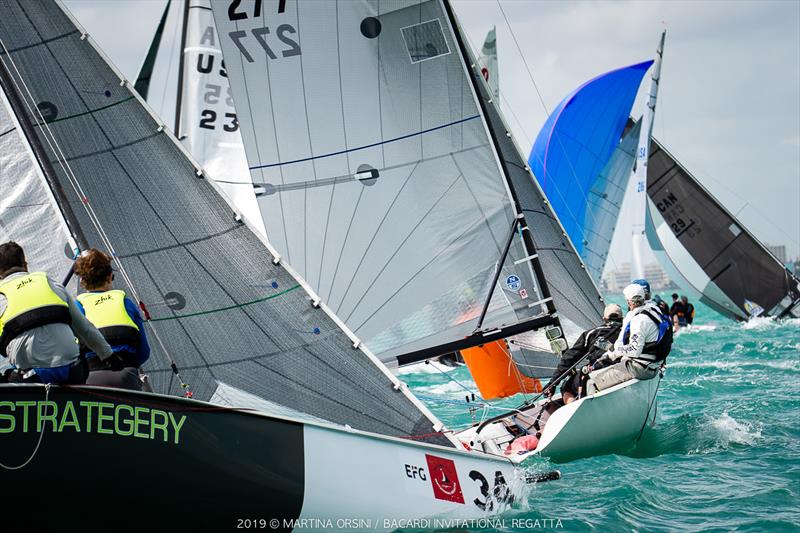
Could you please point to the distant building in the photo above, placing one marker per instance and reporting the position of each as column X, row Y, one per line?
column 779, row 251
column 617, row 279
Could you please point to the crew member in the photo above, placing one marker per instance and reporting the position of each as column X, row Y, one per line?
column 662, row 305
column 678, row 311
column 642, row 347
column 117, row 318
column 594, row 342
column 689, row 309
column 39, row 321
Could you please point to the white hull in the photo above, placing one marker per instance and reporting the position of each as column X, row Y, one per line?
column 390, row 480
column 607, row 422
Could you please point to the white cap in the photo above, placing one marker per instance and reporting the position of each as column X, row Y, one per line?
column 634, row 292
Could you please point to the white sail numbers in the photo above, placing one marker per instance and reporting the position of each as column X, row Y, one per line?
column 281, row 41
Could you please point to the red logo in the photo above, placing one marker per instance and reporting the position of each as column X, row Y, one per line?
column 485, row 72
column 444, row 479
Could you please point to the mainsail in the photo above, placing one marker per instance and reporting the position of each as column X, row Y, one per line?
column 690, row 231
column 380, row 176
column 222, row 308
column 581, row 163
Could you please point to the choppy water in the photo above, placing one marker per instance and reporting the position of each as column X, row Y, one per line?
column 725, row 453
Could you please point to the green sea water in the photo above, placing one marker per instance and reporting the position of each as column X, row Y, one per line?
column 724, row 454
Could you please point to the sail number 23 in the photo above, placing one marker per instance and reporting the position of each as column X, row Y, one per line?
column 282, row 41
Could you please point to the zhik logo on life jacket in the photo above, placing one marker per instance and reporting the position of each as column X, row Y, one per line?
column 102, row 299
column 24, row 282
column 444, row 479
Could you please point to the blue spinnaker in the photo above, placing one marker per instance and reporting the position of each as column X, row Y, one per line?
column 571, row 155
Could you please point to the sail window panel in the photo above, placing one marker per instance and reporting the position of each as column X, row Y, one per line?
column 171, row 208
column 425, row 41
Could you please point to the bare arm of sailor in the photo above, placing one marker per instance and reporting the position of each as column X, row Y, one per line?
column 81, row 327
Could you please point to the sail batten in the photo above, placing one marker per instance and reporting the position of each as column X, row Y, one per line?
column 222, row 306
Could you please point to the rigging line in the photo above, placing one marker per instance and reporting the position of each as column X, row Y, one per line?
column 7, row 132
column 547, row 112
column 52, row 141
column 519, row 50
column 364, row 147
column 453, row 379
column 505, row 100
column 170, row 63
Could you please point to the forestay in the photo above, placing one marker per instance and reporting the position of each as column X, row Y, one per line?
column 377, row 173
column 220, row 307
column 580, row 163
column 713, row 252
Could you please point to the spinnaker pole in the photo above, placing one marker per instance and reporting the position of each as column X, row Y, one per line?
column 639, row 176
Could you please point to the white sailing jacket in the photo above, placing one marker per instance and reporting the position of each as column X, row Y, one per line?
column 642, row 331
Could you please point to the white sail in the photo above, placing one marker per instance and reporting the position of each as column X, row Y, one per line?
column 638, row 187
column 488, row 63
column 377, row 173
column 27, row 207
column 208, row 125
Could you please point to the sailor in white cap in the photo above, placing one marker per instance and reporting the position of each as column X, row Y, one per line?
column 641, row 348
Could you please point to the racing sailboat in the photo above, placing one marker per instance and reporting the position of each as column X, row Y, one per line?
column 371, row 168
column 231, row 322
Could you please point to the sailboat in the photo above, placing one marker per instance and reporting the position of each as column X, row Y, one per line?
column 382, row 155
column 231, row 323
column 700, row 244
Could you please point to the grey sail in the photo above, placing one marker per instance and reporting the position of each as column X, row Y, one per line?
column 220, row 308
column 378, row 178
column 688, row 229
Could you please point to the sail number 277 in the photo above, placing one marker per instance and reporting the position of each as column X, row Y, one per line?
column 282, row 42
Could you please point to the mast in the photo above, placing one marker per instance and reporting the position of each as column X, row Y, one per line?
column 179, row 97
column 50, row 175
column 639, row 176
column 524, row 232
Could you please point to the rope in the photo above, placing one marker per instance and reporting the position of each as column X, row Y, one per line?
column 51, row 140
column 38, row 443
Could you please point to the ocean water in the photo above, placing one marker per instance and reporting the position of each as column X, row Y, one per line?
column 724, row 454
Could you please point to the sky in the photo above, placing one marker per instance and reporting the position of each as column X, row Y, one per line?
column 729, row 100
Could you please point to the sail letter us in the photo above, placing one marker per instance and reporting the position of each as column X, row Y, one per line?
column 444, row 479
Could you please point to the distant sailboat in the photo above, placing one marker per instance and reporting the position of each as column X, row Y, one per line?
column 231, row 322
column 699, row 243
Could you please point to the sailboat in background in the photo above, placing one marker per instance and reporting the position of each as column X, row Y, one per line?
column 231, row 323
column 700, row 244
